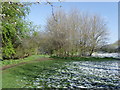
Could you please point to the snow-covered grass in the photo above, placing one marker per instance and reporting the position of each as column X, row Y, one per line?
column 62, row 73
column 78, row 74
column 102, row 55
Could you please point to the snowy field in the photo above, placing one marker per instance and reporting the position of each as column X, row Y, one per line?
column 114, row 55
column 79, row 74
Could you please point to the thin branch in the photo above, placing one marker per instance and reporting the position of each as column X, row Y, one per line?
column 53, row 13
column 52, row 9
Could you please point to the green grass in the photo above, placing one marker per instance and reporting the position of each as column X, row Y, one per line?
column 13, row 77
column 34, row 57
column 30, row 58
column 84, row 58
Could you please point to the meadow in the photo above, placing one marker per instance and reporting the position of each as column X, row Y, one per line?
column 64, row 73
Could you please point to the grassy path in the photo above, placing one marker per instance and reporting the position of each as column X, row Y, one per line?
column 13, row 65
column 15, row 77
column 58, row 73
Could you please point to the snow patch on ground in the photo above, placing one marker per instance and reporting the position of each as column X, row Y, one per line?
column 102, row 55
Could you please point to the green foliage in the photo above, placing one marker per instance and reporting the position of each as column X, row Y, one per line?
column 13, row 25
column 8, row 50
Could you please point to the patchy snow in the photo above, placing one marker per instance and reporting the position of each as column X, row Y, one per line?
column 79, row 74
column 114, row 55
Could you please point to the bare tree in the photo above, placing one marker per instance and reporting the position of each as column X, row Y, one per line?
column 98, row 32
column 75, row 33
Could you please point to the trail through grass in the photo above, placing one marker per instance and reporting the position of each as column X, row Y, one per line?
column 64, row 74
column 30, row 58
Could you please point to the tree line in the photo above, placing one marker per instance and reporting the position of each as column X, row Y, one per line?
column 75, row 33
column 71, row 33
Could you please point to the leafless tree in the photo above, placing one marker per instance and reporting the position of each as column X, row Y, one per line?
column 75, row 33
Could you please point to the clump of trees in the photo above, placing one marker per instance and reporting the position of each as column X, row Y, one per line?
column 75, row 33
column 111, row 48
column 17, row 33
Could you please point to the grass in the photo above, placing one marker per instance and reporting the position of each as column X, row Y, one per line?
column 30, row 58
column 14, row 77
column 84, row 58
column 34, row 57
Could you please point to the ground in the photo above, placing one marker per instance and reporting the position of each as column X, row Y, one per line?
column 61, row 73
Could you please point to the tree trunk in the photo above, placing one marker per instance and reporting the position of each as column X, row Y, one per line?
column 91, row 52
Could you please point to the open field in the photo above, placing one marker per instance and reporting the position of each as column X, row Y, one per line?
column 64, row 73
column 54, row 45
